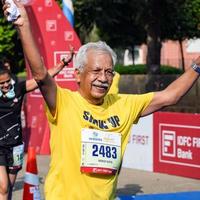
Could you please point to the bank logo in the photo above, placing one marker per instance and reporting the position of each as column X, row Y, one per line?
column 168, row 143
column 179, row 144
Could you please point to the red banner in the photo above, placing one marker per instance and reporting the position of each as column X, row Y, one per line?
column 177, row 144
column 53, row 35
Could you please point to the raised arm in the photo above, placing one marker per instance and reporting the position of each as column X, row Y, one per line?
column 31, row 84
column 175, row 91
column 39, row 72
column 64, row 62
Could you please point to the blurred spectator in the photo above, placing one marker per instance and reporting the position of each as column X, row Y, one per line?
column 8, row 65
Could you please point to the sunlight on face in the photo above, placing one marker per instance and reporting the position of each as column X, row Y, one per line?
column 97, row 76
column 5, row 82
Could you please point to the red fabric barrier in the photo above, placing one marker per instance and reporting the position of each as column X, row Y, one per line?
column 177, row 144
column 53, row 34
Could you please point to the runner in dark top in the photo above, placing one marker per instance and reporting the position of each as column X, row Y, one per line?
column 11, row 144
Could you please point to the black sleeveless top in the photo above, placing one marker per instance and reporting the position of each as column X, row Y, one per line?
column 10, row 117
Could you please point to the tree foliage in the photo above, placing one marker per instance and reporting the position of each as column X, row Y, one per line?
column 123, row 23
column 116, row 21
column 10, row 45
column 183, row 22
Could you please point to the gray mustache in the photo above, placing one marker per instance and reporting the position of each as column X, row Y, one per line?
column 105, row 85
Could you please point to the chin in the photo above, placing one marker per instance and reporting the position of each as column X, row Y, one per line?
column 5, row 91
column 99, row 98
column 99, row 94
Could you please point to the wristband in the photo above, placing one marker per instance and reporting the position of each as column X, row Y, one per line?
column 196, row 67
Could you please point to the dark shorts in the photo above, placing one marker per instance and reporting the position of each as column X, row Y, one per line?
column 6, row 159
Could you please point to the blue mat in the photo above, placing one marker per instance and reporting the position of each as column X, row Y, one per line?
column 195, row 195
column 123, row 197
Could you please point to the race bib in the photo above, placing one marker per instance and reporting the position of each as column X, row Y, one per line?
column 100, row 151
column 18, row 155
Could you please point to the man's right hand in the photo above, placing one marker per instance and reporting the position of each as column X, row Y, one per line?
column 23, row 18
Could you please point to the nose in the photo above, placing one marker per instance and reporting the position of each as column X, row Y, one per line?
column 102, row 76
column 6, row 84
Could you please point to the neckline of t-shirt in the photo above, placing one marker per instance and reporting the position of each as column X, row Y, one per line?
column 90, row 104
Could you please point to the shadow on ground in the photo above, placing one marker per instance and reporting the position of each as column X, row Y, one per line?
column 130, row 189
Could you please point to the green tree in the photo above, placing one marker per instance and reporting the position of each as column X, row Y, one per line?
column 10, row 45
column 114, row 21
column 124, row 23
column 186, row 25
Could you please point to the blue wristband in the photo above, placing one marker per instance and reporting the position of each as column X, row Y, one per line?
column 196, row 68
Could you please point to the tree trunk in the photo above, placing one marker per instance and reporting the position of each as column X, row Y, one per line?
column 153, row 53
column 182, row 55
column 131, row 49
column 153, row 46
column 153, row 37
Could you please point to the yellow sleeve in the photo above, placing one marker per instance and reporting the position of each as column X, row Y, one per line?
column 114, row 89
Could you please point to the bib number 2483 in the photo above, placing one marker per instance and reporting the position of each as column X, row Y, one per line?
column 104, row 151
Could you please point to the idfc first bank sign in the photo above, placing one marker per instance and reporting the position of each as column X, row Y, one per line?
column 177, row 144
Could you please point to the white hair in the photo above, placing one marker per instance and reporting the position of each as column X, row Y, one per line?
column 81, row 56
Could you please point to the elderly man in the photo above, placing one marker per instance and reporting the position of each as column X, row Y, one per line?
column 90, row 128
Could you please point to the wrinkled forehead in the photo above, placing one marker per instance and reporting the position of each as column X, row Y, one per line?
column 98, row 58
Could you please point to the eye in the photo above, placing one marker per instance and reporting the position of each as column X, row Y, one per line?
column 110, row 73
column 5, row 82
column 96, row 71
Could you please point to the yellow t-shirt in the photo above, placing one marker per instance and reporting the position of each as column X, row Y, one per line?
column 117, row 114
column 114, row 89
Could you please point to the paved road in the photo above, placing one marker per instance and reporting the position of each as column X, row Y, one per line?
column 130, row 182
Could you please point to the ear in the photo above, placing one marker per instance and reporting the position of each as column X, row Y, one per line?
column 77, row 75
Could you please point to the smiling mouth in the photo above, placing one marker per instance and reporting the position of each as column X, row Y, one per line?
column 102, row 86
column 6, row 88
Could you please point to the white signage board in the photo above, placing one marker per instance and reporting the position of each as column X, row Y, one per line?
column 139, row 151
